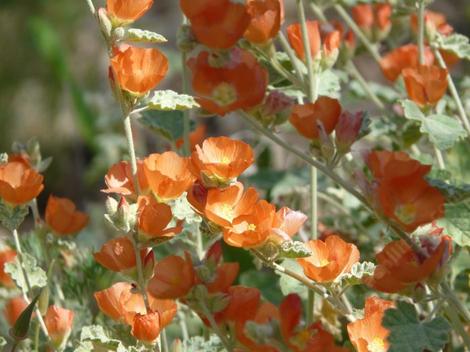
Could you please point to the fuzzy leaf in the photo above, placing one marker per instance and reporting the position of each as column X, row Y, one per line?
column 168, row 124
column 182, row 210
column 408, row 334
column 456, row 43
column 453, row 193
column 443, row 131
column 99, row 339
column 290, row 285
column 411, row 110
column 357, row 273
column 37, row 277
column 139, row 35
column 294, row 249
column 12, row 217
column 168, row 100
column 198, row 343
column 456, row 222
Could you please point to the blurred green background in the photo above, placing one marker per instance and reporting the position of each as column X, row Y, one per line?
column 53, row 86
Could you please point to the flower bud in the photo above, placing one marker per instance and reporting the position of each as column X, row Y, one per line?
column 275, row 109
column 348, row 130
column 122, row 215
column 327, row 147
column 59, row 325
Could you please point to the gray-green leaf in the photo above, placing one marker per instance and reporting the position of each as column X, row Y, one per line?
column 168, row 124
column 456, row 222
column 37, row 276
column 408, row 334
column 12, row 217
column 168, row 100
column 411, row 110
column 456, row 43
column 138, row 35
column 443, row 131
column 357, row 273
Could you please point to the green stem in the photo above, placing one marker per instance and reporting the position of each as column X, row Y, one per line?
column 421, row 10
column 186, row 113
column 453, row 91
column 358, row 32
column 26, row 290
column 450, row 297
column 292, row 57
column 91, row 6
column 457, row 325
column 318, row 11
column 215, row 327
column 353, row 71
column 440, row 158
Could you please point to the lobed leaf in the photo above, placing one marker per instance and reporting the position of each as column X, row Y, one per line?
column 37, row 276
column 357, row 273
column 443, row 131
column 168, row 100
column 12, row 217
column 139, row 35
column 408, row 334
column 456, row 222
column 456, row 43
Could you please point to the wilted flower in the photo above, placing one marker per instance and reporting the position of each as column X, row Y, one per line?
column 347, row 130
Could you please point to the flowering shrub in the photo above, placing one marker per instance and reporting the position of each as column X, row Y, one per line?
column 206, row 253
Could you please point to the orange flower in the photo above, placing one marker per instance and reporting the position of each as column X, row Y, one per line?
column 391, row 165
column 403, row 57
column 174, row 277
column 331, row 40
column 368, row 334
column 329, row 259
column 119, row 179
column 238, row 82
column 402, row 193
column 63, row 217
column 168, row 175
column 110, row 302
column 223, row 205
column 217, row 24
column 253, row 229
column 367, row 16
column 264, row 314
column 399, row 266
column 19, row 184
column 312, row 338
column 146, row 327
column 127, row 11
column 435, row 21
column 118, row 255
column 287, row 223
column 307, row 117
column 59, row 324
column 225, row 275
column 7, row 255
column 221, row 160
column 13, row 309
column 154, row 218
column 426, row 85
column 196, row 137
column 410, row 202
column 242, row 306
column 266, row 20
column 139, row 70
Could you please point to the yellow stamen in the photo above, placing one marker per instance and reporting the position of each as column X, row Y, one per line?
column 377, row 345
column 224, row 94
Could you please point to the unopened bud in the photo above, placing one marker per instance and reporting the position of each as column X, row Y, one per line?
column 43, row 302
column 327, row 147
column 3, row 158
column 348, row 130
column 122, row 215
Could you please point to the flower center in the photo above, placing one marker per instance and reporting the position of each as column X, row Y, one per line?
column 224, row 94
column 377, row 345
column 324, row 262
column 227, row 212
column 225, row 160
column 251, row 227
column 406, row 213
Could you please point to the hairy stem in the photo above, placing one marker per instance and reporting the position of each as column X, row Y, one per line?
column 421, row 10
column 358, row 32
column 353, row 71
column 27, row 290
column 453, row 91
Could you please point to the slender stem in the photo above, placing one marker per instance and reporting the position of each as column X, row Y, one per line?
column 453, row 91
column 131, row 149
column 34, row 209
column 186, row 113
column 353, row 71
column 292, row 57
column 440, row 158
column 199, row 242
column 165, row 347
column 27, row 282
column 314, row 224
column 457, row 325
column 421, row 9
column 450, row 296
column 317, row 10
column 358, row 32
column 215, row 327
column 307, row 51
